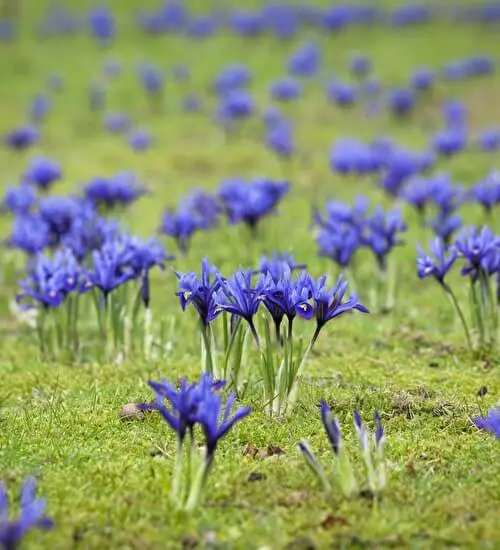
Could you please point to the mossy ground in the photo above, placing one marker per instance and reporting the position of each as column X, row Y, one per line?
column 105, row 480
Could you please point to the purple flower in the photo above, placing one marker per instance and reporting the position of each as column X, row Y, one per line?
column 32, row 515
column 119, row 190
column 381, row 233
column 238, row 297
column 233, row 77
column 22, row 137
column 438, row 263
column 330, row 304
column 487, row 192
column 286, row 89
column 422, row 79
column 215, row 419
column 191, row 103
column 43, row 173
column 152, row 79
column 200, row 292
column 280, row 139
column 332, row 427
column 444, row 225
column 140, row 140
column 235, row 105
column 278, row 265
column 401, row 101
column 476, row 248
column 19, row 200
column 339, row 242
column 449, row 142
column 360, row 66
column 249, row 202
column 305, row 60
column 342, row 94
column 101, row 24
column 489, row 140
column 30, row 233
column 490, row 423
column 117, row 123
column 455, row 115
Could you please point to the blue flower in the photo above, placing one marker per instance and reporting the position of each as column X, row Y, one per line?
column 278, row 265
column 117, row 123
column 422, row 79
column 305, row 60
column 59, row 212
column 202, row 26
column 487, row 192
column 449, row 142
column 360, row 65
column 247, row 23
column 152, row 79
column 235, row 105
column 455, row 115
column 446, row 195
column 119, row 190
column 184, row 402
column 43, row 173
column 215, row 419
column 200, row 292
column 438, row 263
column 350, row 156
column 444, row 225
column 101, row 24
column 477, row 248
column 418, row 192
column 51, row 280
column 233, row 77
column 22, row 137
column 339, row 242
column 342, row 94
column 281, row 19
column 30, row 233
column 19, row 200
column 401, row 101
column 249, row 202
column 109, row 269
column 332, row 427
column 381, row 233
column 140, row 140
column 489, row 140
column 490, row 423
column 280, row 139
column 289, row 297
column 329, row 304
column 286, row 89
column 32, row 515
column 238, row 297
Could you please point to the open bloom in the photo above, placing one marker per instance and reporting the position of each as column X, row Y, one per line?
column 329, row 303
column 442, row 259
column 200, row 292
column 43, row 173
column 477, row 248
column 32, row 515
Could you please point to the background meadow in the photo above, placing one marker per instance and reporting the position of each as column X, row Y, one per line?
column 105, row 479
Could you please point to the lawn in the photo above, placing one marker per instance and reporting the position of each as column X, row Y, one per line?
column 106, row 480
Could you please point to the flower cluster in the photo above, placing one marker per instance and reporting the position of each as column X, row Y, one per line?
column 184, row 409
column 479, row 251
column 342, row 230
column 238, row 299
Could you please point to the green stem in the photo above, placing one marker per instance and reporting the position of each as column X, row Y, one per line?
column 458, row 309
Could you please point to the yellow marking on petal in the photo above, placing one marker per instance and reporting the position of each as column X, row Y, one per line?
column 187, row 294
column 303, row 307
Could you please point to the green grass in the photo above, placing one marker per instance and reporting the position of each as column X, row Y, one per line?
column 105, row 480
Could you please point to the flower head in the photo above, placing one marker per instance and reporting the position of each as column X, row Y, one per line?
column 477, row 248
column 30, row 233
column 200, row 291
column 43, row 173
column 490, row 423
column 22, row 137
column 442, row 260
column 278, row 265
column 332, row 427
column 121, row 189
column 286, row 89
column 19, row 200
column 32, row 515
